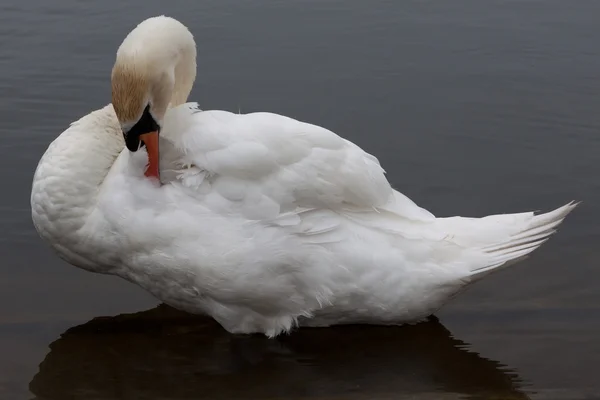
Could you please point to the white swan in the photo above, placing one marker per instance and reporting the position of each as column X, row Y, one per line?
column 261, row 221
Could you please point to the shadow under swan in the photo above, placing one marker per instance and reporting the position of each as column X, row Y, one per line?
column 166, row 354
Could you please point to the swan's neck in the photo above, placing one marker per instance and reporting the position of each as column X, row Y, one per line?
column 156, row 66
column 185, row 75
column 67, row 181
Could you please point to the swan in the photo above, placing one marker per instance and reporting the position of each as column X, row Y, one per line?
column 261, row 221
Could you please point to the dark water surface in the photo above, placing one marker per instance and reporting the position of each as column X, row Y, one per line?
column 473, row 107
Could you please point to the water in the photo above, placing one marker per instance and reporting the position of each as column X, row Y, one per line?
column 472, row 107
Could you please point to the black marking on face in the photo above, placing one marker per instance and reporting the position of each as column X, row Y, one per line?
column 145, row 124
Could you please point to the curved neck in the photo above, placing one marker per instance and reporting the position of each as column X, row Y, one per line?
column 67, row 181
column 184, row 76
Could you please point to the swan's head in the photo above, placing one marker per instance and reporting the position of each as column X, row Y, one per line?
column 154, row 70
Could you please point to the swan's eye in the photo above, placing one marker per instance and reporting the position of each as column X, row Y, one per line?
column 146, row 124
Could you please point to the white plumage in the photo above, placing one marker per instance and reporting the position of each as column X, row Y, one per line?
column 261, row 221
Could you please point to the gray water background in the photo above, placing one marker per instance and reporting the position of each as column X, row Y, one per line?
column 473, row 107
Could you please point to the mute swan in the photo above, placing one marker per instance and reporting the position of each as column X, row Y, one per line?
column 260, row 221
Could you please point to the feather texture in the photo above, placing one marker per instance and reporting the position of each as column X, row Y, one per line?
column 262, row 222
column 265, row 222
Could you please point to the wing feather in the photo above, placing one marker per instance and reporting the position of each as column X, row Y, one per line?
column 266, row 164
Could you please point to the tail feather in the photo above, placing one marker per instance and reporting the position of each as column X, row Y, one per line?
column 535, row 231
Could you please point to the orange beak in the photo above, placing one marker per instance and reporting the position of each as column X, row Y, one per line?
column 151, row 141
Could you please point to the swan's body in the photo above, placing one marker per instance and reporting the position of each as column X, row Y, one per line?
column 261, row 221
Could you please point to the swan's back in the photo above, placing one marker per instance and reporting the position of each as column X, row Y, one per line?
column 278, row 162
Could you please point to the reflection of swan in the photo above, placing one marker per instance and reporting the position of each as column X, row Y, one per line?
column 165, row 354
column 261, row 219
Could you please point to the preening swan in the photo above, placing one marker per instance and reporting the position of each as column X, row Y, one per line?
column 259, row 220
